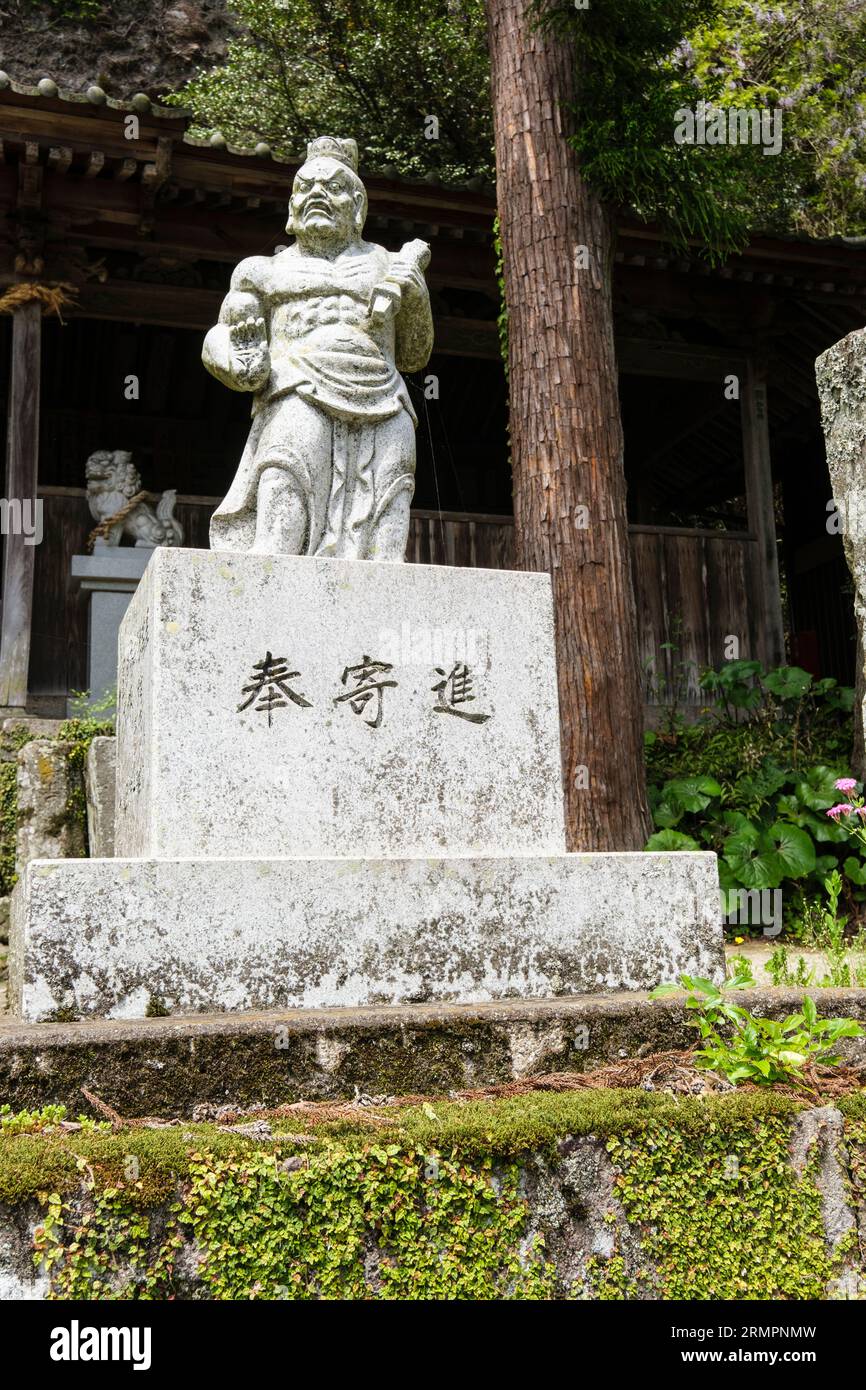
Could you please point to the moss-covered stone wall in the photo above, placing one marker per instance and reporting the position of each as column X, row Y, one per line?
column 582, row 1195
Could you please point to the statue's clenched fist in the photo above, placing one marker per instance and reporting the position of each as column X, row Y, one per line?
column 249, row 349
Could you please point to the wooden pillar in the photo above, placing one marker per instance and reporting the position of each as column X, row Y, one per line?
column 761, row 513
column 22, row 462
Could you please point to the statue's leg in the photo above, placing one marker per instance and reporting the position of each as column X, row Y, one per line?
column 395, row 485
column 281, row 516
column 294, row 458
column 392, row 529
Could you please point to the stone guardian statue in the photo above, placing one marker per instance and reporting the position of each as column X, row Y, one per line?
column 319, row 333
column 122, row 508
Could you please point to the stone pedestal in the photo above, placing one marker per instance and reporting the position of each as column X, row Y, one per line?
column 110, row 576
column 352, row 751
column 339, row 784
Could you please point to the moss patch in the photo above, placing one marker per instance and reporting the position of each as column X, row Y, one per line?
column 8, row 825
column 719, row 1216
column 538, row 1120
column 436, row 1201
column 80, row 733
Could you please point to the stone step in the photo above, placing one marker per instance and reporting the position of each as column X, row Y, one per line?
column 124, row 938
column 167, row 1066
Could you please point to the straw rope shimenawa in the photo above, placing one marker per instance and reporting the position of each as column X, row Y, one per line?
column 53, row 298
column 105, row 526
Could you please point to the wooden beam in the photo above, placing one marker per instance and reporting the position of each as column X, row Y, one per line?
column 760, row 510
column 677, row 361
column 22, row 458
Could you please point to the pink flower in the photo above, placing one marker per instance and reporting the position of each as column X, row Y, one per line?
column 861, row 811
column 845, row 784
column 843, row 809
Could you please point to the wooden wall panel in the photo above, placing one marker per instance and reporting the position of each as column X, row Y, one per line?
column 58, row 650
column 647, row 562
column 686, row 620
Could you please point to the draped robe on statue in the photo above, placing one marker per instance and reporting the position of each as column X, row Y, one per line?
column 335, row 412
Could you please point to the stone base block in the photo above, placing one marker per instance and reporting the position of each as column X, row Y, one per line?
column 120, row 938
column 289, row 707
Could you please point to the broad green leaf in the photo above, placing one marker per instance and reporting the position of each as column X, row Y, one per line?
column 855, row 869
column 787, row 682
column 667, row 813
column 794, row 849
column 691, row 793
column 816, row 790
column 761, row 785
column 752, row 858
column 671, row 840
column 792, row 1059
column 736, row 821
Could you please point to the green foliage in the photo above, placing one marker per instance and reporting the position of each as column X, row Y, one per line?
column 749, row 780
column 8, row 825
column 49, row 1118
column 642, row 61
column 740, row 968
column 102, row 1250
column 11, row 742
column 378, row 1221
column 714, row 1208
column 378, row 69
column 30, row 1121
column 624, row 117
column 81, row 732
column 83, row 707
column 502, row 317
column 809, row 58
column 761, row 1050
column 372, row 69
column 427, row 1224
column 720, row 1218
column 782, row 975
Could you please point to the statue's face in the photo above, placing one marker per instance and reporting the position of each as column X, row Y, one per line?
column 326, row 203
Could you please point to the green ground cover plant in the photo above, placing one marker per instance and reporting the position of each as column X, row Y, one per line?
column 439, row 1200
column 753, row 779
column 743, row 1046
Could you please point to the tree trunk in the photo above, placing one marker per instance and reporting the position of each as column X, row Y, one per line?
column 566, row 434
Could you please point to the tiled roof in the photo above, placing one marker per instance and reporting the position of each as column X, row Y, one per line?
column 140, row 104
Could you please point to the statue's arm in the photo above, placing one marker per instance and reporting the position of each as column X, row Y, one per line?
column 414, row 321
column 235, row 350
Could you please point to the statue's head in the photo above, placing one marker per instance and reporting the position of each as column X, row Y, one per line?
column 328, row 206
column 112, row 470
